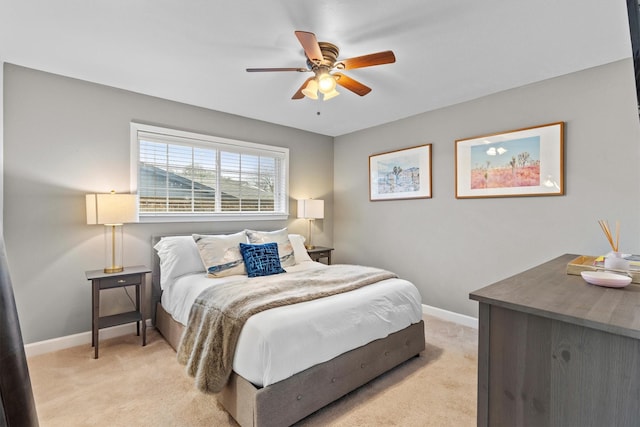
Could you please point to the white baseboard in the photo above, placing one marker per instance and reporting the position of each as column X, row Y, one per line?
column 450, row 316
column 83, row 338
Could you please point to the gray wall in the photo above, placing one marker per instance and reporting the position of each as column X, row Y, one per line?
column 450, row 247
column 64, row 138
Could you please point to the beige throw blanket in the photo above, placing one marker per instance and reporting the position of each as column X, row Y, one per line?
column 208, row 343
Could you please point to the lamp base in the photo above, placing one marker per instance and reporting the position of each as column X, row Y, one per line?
column 309, row 246
column 113, row 248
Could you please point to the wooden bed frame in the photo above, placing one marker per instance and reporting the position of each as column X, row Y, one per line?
column 294, row 398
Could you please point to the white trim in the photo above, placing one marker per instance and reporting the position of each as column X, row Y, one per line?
column 83, row 338
column 191, row 139
column 450, row 316
column 136, row 127
column 164, row 217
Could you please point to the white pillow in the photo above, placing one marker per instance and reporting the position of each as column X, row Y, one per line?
column 281, row 237
column 178, row 256
column 221, row 253
column 299, row 251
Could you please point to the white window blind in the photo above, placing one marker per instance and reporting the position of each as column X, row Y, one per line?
column 184, row 175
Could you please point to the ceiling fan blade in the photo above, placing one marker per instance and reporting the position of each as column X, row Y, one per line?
column 310, row 45
column 351, row 84
column 299, row 94
column 386, row 57
column 260, row 70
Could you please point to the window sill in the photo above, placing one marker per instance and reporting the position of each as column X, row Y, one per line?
column 159, row 218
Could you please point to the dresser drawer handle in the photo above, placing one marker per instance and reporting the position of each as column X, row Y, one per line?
column 122, row 281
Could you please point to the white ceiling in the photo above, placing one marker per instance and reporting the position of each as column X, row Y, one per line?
column 196, row 51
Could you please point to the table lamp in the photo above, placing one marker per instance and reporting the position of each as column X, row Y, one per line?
column 112, row 210
column 310, row 209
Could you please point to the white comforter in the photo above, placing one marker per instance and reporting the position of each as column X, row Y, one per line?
column 278, row 343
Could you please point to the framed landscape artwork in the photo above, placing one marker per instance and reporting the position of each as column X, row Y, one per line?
column 523, row 162
column 401, row 174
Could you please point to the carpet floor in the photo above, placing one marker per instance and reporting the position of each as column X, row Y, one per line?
column 130, row 385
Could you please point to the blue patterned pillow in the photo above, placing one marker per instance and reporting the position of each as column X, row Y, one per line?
column 261, row 260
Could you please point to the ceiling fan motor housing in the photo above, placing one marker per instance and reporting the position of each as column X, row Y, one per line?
column 330, row 54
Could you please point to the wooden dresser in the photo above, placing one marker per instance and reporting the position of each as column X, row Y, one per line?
column 554, row 350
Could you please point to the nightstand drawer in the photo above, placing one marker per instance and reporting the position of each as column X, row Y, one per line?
column 318, row 252
column 322, row 254
column 114, row 282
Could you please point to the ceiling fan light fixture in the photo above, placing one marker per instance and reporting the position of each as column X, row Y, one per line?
column 332, row 94
column 311, row 91
column 326, row 83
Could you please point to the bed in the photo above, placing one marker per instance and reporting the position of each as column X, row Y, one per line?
column 284, row 370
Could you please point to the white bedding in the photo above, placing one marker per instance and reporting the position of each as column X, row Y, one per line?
column 281, row 342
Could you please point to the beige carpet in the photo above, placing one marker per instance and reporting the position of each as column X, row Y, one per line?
column 130, row 385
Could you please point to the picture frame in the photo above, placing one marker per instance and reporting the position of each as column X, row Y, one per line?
column 400, row 174
column 516, row 163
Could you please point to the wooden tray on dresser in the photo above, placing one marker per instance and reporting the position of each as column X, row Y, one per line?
column 587, row 263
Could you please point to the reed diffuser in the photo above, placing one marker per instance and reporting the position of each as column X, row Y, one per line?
column 607, row 232
column 615, row 260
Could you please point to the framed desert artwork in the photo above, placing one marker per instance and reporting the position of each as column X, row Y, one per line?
column 400, row 174
column 523, row 162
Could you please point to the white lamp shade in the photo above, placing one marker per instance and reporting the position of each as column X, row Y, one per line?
column 311, row 209
column 326, row 83
column 311, row 91
column 332, row 94
column 112, row 209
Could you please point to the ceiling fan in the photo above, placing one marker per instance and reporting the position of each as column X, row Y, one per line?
column 322, row 60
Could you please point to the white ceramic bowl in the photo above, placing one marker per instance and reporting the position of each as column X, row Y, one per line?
column 605, row 278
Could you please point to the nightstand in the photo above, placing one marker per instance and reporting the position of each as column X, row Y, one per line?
column 318, row 252
column 130, row 276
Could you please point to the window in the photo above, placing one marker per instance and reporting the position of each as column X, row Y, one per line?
column 184, row 176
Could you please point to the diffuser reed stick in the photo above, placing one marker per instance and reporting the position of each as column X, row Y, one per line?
column 607, row 232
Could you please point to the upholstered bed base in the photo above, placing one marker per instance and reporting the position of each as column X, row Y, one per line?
column 292, row 399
